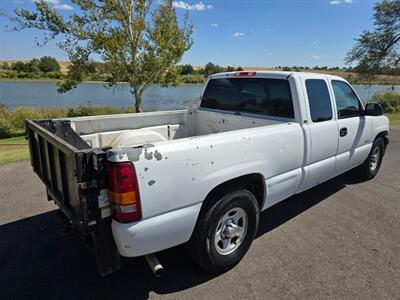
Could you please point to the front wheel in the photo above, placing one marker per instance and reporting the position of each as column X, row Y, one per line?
column 372, row 164
column 225, row 231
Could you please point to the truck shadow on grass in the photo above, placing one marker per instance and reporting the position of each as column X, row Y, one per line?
column 38, row 263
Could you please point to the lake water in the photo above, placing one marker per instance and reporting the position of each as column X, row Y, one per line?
column 44, row 94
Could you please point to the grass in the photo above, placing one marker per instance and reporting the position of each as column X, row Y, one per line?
column 13, row 150
column 394, row 118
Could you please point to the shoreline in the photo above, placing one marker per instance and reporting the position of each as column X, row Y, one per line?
column 86, row 81
column 123, row 82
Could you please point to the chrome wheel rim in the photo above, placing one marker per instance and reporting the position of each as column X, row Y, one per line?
column 231, row 231
column 373, row 162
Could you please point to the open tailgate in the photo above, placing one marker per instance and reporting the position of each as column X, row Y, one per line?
column 75, row 177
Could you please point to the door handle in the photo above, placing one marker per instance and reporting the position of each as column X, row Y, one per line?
column 343, row 131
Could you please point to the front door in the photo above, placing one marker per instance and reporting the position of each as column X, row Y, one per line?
column 354, row 128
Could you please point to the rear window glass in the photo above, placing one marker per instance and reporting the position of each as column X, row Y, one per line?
column 271, row 97
column 319, row 100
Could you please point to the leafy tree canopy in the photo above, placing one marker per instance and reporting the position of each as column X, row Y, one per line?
column 211, row 68
column 186, row 69
column 381, row 47
column 140, row 41
column 46, row 64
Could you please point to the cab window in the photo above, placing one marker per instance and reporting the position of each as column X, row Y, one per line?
column 347, row 103
column 319, row 100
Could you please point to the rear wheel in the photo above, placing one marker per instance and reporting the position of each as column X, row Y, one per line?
column 225, row 231
column 372, row 164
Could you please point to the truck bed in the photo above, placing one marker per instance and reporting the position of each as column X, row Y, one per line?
column 129, row 130
column 70, row 157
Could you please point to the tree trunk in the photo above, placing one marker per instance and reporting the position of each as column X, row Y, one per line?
column 138, row 101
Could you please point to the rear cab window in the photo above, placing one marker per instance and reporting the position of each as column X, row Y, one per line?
column 264, row 96
column 319, row 100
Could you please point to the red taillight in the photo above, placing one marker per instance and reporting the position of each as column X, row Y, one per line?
column 242, row 74
column 123, row 191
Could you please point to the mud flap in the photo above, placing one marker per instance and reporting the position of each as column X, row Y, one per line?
column 104, row 248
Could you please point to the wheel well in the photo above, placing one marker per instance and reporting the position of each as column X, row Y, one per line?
column 255, row 183
column 383, row 135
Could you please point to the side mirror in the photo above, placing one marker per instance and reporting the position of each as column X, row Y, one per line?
column 373, row 109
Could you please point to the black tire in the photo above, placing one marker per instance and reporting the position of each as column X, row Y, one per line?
column 372, row 164
column 202, row 246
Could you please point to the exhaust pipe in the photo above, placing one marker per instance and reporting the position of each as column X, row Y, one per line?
column 154, row 264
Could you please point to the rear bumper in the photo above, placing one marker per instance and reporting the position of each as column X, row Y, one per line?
column 156, row 233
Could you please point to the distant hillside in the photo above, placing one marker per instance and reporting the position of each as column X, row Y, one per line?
column 63, row 64
column 350, row 76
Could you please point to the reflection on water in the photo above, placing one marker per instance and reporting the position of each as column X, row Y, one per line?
column 44, row 93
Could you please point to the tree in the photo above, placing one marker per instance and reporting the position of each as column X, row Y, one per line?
column 211, row 68
column 140, row 41
column 48, row 64
column 381, row 47
column 5, row 66
column 34, row 66
column 186, row 69
column 19, row 66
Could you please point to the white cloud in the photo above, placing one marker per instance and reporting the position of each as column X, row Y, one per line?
column 214, row 25
column 337, row 2
column 57, row 4
column 238, row 34
column 64, row 6
column 196, row 6
column 315, row 57
column 315, row 43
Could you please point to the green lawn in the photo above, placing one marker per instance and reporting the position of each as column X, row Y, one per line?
column 394, row 118
column 13, row 150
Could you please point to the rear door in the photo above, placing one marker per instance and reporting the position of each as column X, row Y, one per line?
column 321, row 131
column 354, row 128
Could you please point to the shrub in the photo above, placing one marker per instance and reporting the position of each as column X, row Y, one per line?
column 4, row 128
column 389, row 100
column 12, row 122
column 4, row 125
column 17, row 116
column 193, row 79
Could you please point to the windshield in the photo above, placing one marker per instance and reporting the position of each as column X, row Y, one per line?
column 271, row 97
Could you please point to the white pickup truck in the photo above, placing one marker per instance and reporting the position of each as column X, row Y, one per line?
column 135, row 184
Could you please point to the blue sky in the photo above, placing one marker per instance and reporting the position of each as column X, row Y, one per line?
column 238, row 32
